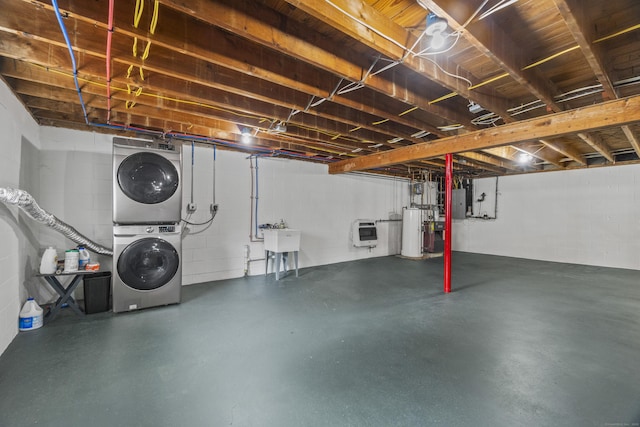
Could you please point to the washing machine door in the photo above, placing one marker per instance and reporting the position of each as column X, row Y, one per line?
column 147, row 178
column 148, row 264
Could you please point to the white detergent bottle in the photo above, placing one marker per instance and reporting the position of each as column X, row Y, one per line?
column 30, row 316
column 49, row 261
column 83, row 258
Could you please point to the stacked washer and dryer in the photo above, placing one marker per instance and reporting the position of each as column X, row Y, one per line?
column 147, row 204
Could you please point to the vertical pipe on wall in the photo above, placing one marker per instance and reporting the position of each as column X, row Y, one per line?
column 495, row 206
column 214, row 175
column 193, row 161
column 251, row 199
column 447, row 226
column 256, row 198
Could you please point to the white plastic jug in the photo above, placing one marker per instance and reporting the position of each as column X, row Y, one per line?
column 71, row 258
column 83, row 258
column 30, row 316
column 49, row 261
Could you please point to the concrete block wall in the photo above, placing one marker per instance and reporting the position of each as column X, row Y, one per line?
column 578, row 216
column 19, row 246
column 76, row 186
column 302, row 194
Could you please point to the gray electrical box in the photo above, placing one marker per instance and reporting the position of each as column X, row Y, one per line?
column 459, row 202
column 417, row 188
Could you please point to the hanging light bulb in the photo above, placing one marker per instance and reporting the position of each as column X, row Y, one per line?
column 436, row 27
column 437, row 41
column 524, row 158
column 245, row 136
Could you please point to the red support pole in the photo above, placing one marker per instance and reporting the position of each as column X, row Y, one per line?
column 448, row 183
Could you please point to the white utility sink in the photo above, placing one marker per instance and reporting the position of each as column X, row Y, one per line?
column 281, row 240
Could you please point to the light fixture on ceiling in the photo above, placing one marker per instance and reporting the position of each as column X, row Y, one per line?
column 524, row 158
column 436, row 27
column 280, row 127
column 277, row 127
column 475, row 108
column 245, row 136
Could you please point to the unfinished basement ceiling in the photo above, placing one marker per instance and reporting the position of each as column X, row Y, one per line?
column 341, row 81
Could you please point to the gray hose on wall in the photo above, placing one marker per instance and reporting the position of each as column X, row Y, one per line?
column 27, row 203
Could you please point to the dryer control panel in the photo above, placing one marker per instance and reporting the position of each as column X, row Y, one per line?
column 167, row 229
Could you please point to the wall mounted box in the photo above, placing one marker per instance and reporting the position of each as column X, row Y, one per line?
column 364, row 233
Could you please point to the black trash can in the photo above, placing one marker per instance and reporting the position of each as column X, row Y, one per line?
column 97, row 290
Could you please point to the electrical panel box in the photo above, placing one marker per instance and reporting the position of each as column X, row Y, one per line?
column 416, row 188
column 459, row 202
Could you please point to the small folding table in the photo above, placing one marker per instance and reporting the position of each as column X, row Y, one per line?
column 64, row 292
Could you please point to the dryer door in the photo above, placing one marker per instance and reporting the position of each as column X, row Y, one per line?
column 148, row 264
column 147, row 178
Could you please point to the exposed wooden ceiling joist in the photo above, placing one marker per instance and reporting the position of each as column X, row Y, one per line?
column 490, row 39
column 566, row 150
column 633, row 139
column 394, row 45
column 574, row 14
column 612, row 113
column 597, row 144
column 337, row 75
column 265, row 31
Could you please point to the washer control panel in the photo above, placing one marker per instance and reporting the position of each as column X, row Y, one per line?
column 167, row 229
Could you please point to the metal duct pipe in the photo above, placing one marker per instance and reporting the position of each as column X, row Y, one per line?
column 27, row 203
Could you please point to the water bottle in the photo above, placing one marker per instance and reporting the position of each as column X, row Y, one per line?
column 30, row 316
column 83, row 258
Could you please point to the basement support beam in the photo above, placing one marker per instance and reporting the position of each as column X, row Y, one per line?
column 612, row 113
column 447, row 221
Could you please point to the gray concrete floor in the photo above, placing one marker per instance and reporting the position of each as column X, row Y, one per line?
column 366, row 343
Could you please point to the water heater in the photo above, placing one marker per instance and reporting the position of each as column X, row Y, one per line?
column 411, row 232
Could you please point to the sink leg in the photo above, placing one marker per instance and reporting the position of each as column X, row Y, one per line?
column 285, row 260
